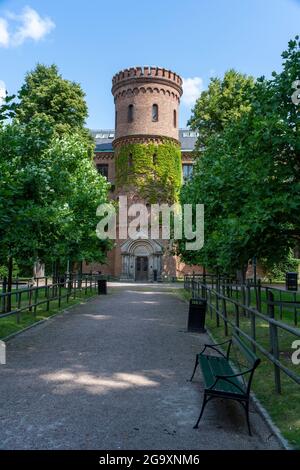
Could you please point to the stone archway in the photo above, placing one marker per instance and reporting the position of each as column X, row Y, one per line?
column 141, row 260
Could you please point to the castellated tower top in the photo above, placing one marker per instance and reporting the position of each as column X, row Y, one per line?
column 147, row 102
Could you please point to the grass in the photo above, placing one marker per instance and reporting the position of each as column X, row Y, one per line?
column 284, row 408
column 10, row 324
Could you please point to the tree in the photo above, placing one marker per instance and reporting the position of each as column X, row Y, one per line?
column 49, row 187
column 224, row 100
column 45, row 94
column 248, row 177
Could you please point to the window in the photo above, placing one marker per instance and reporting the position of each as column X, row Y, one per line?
column 174, row 118
column 130, row 113
column 116, row 120
column 155, row 113
column 154, row 159
column 187, row 170
column 130, row 160
column 102, row 169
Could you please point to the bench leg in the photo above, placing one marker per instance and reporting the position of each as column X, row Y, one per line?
column 196, row 365
column 246, row 408
column 205, row 400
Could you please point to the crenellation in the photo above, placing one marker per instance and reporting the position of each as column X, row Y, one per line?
column 146, row 72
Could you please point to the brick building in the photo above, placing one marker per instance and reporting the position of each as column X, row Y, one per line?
column 147, row 101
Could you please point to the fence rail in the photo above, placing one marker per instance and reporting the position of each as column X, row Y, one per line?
column 26, row 299
column 230, row 302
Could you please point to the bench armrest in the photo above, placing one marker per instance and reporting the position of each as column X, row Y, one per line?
column 227, row 378
column 230, row 376
column 214, row 347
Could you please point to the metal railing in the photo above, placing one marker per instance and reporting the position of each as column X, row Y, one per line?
column 230, row 304
column 28, row 299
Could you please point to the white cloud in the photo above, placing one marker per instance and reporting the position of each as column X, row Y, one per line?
column 2, row 91
column 4, row 35
column 192, row 87
column 28, row 25
column 33, row 26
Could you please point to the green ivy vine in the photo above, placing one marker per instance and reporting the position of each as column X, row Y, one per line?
column 153, row 170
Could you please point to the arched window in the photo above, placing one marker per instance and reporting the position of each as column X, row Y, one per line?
column 175, row 118
column 155, row 113
column 130, row 161
column 130, row 113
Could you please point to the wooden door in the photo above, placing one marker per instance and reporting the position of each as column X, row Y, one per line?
column 141, row 272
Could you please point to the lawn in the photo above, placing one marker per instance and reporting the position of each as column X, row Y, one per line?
column 284, row 408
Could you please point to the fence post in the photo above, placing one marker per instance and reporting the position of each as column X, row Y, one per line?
column 237, row 317
column 248, row 294
column 225, row 317
column 259, row 295
column 4, row 289
column 210, row 303
column 30, row 299
column 217, row 305
column 243, row 297
column 36, row 293
column 253, row 330
column 274, row 341
column 48, row 298
column 19, row 305
column 59, row 295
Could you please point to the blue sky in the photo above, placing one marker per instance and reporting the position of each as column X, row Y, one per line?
column 92, row 40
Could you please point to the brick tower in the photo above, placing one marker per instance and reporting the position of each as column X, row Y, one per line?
column 147, row 159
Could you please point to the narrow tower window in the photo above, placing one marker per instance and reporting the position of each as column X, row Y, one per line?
column 174, row 118
column 155, row 113
column 130, row 161
column 154, row 159
column 116, row 120
column 130, row 113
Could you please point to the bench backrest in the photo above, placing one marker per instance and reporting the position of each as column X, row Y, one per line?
column 249, row 355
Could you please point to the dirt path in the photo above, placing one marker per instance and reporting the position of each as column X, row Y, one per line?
column 111, row 374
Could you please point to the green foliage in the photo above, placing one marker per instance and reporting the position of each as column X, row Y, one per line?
column 47, row 95
column 279, row 270
column 7, row 107
column 154, row 171
column 248, row 177
column 4, row 271
column 224, row 100
column 49, row 187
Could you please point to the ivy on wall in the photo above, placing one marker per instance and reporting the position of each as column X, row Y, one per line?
column 152, row 170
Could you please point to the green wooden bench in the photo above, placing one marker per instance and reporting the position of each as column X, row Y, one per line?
column 220, row 379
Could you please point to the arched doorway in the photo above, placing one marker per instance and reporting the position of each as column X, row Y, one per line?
column 141, row 260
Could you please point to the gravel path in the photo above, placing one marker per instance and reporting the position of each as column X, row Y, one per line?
column 111, row 374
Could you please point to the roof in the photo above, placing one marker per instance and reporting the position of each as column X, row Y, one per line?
column 188, row 139
column 105, row 137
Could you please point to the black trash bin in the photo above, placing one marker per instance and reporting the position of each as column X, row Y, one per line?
column 102, row 286
column 62, row 280
column 291, row 281
column 197, row 312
